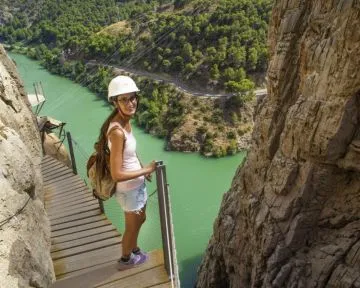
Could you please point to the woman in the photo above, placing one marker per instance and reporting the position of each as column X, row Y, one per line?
column 125, row 167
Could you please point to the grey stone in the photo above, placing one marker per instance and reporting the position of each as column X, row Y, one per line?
column 303, row 168
column 25, row 238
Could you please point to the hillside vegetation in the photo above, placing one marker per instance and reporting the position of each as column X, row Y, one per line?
column 217, row 45
column 220, row 43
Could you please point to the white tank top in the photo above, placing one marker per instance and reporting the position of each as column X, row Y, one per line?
column 130, row 161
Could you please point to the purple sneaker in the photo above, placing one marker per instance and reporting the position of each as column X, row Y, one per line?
column 144, row 256
column 133, row 261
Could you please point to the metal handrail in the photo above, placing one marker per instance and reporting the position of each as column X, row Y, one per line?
column 167, row 232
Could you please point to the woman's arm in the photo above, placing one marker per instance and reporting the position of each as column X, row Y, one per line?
column 117, row 139
column 147, row 176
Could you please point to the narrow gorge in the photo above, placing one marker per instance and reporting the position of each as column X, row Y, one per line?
column 292, row 215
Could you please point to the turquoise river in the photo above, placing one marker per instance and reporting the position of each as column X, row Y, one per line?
column 196, row 183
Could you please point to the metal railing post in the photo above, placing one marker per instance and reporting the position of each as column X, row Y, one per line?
column 72, row 155
column 166, row 222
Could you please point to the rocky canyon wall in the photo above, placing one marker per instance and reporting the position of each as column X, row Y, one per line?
column 292, row 215
column 25, row 230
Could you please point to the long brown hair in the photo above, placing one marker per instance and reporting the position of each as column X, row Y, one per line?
column 102, row 149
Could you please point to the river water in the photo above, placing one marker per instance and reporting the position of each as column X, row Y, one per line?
column 196, row 183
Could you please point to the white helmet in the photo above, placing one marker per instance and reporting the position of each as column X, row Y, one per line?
column 121, row 85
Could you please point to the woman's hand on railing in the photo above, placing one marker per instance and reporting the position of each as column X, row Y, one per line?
column 150, row 167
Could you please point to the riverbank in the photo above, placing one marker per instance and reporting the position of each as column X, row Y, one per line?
column 213, row 126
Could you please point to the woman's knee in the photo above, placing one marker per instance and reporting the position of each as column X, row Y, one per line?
column 142, row 217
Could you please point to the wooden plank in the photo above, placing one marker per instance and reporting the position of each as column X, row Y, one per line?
column 81, row 234
column 87, row 199
column 85, row 260
column 49, row 157
column 64, row 176
column 105, row 273
column 54, row 163
column 77, row 195
column 86, row 248
column 143, row 279
column 77, row 222
column 57, row 173
column 66, row 189
column 84, row 199
column 59, row 210
column 156, row 259
column 84, row 240
column 76, row 217
column 74, row 212
column 59, row 187
column 58, row 178
column 80, row 228
column 75, row 190
column 47, row 160
column 52, row 168
column 51, row 165
column 60, row 192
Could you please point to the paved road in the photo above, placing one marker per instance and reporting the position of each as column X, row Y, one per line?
column 170, row 80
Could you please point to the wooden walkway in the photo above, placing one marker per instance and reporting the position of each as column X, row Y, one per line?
column 85, row 246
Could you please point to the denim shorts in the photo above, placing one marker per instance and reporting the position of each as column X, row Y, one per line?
column 134, row 200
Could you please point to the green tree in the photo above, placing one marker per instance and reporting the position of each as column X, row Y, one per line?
column 214, row 72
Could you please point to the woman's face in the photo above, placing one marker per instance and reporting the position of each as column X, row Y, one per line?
column 127, row 103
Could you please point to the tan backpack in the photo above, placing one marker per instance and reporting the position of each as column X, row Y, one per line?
column 105, row 187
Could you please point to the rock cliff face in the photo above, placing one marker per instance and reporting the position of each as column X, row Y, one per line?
column 292, row 215
column 25, row 231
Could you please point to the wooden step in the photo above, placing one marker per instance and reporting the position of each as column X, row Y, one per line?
column 59, row 192
column 106, row 273
column 80, row 193
column 71, row 208
column 143, row 279
column 69, row 264
column 75, row 217
column 59, row 175
column 73, row 212
column 86, row 248
column 79, row 228
column 84, row 240
column 53, row 169
column 71, row 202
column 63, row 180
column 57, row 178
column 81, row 234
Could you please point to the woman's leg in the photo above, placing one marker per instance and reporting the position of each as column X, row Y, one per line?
column 140, row 220
column 133, row 222
column 130, row 233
